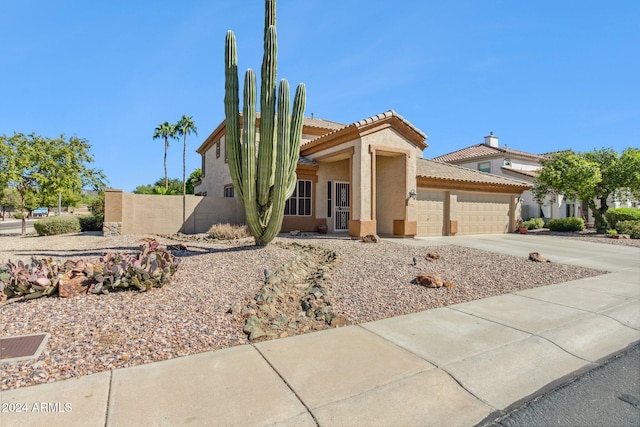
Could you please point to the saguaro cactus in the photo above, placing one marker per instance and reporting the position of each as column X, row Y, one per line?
column 264, row 173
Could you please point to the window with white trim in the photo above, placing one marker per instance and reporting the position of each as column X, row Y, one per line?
column 229, row 191
column 299, row 203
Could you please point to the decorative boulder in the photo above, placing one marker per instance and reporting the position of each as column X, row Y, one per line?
column 535, row 256
column 429, row 280
column 72, row 285
column 432, row 256
column 371, row 238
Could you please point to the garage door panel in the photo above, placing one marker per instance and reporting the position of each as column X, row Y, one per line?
column 430, row 213
column 483, row 213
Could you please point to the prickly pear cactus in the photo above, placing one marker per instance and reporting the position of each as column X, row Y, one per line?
column 263, row 177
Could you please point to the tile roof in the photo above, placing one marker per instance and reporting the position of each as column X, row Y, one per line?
column 432, row 169
column 387, row 114
column 525, row 173
column 482, row 150
column 366, row 122
column 321, row 123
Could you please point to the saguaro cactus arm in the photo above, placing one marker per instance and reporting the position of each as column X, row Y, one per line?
column 231, row 109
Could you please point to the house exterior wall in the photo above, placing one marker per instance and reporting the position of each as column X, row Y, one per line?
column 391, row 184
column 216, row 171
column 498, row 162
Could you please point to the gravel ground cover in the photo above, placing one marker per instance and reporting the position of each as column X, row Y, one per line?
column 92, row 333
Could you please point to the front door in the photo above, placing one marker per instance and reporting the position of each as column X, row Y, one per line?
column 341, row 207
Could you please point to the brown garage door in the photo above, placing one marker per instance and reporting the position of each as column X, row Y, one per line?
column 483, row 213
column 430, row 210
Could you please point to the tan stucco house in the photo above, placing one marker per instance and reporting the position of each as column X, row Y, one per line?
column 370, row 177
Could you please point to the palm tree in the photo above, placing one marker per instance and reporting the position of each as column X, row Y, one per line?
column 166, row 131
column 183, row 128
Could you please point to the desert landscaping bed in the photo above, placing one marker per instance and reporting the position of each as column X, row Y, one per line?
column 93, row 333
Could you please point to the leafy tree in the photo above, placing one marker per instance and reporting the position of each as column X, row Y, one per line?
column 174, row 187
column 184, row 127
column 590, row 177
column 9, row 200
column 165, row 131
column 39, row 166
column 97, row 207
column 194, row 178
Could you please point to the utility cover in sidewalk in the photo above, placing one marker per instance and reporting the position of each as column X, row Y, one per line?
column 22, row 347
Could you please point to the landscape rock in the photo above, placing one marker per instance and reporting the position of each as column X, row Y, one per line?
column 252, row 328
column 72, row 284
column 432, row 256
column 298, row 289
column 429, row 280
column 371, row 238
column 339, row 321
column 535, row 256
column 449, row 285
column 619, row 236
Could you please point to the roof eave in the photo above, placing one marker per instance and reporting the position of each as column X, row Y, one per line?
column 458, row 184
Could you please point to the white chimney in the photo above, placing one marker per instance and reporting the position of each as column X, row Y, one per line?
column 491, row 140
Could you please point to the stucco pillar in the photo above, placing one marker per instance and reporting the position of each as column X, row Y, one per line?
column 515, row 212
column 113, row 207
column 451, row 213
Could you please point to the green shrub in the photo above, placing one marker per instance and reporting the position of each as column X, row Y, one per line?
column 535, row 223
column 57, row 225
column 527, row 224
column 566, row 224
column 17, row 215
column 97, row 208
column 612, row 232
column 622, row 214
column 632, row 228
column 90, row 223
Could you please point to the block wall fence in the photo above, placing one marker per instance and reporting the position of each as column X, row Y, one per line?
column 129, row 213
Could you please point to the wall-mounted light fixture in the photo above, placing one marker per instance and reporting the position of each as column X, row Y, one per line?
column 412, row 194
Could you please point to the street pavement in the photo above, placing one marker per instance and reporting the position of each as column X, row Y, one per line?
column 12, row 226
column 609, row 395
column 463, row 365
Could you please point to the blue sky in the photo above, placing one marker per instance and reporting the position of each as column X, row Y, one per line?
column 542, row 75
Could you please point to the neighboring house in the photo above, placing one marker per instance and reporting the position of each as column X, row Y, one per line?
column 370, row 177
column 491, row 158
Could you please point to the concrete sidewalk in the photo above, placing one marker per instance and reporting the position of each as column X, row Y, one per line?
column 459, row 365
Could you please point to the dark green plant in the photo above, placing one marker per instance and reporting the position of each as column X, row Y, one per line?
column 622, row 214
column 566, row 224
column 264, row 181
column 632, row 228
column 57, row 225
column 31, row 280
column 89, row 223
